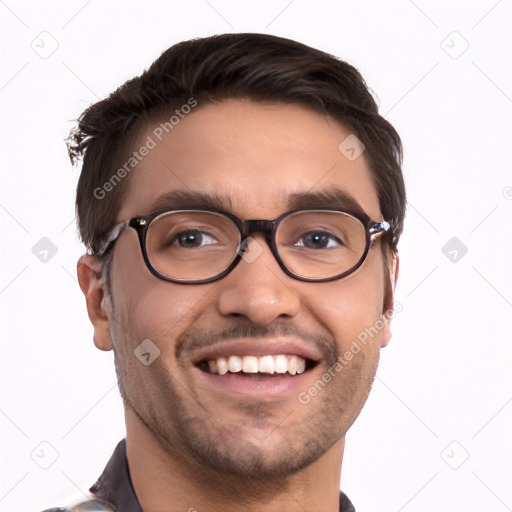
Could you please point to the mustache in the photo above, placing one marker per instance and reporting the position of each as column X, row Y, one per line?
column 201, row 338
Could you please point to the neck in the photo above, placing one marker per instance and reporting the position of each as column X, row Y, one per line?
column 166, row 480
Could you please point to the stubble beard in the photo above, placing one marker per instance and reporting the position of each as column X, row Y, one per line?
column 212, row 451
column 218, row 454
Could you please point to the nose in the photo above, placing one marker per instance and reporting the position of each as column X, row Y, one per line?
column 257, row 288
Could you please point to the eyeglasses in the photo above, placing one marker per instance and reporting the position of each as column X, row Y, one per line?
column 197, row 246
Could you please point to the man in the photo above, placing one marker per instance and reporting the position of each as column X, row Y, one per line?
column 241, row 202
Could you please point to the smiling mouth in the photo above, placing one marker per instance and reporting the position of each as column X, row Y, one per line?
column 259, row 367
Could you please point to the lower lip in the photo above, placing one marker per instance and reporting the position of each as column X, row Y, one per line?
column 284, row 386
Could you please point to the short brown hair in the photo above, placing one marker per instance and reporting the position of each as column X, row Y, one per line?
column 258, row 67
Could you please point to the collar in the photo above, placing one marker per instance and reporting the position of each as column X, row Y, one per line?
column 115, row 485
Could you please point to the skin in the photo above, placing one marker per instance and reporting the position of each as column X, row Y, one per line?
column 189, row 446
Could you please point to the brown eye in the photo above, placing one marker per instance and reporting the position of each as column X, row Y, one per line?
column 191, row 239
column 319, row 240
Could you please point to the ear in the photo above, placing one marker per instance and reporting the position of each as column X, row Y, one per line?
column 391, row 269
column 89, row 271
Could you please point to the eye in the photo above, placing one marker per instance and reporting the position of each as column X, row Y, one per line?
column 319, row 240
column 192, row 239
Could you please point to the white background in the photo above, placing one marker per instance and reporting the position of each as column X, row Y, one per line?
column 446, row 375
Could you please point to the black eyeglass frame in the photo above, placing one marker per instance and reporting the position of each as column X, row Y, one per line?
column 246, row 228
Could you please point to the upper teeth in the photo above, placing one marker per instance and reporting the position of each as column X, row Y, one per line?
column 280, row 363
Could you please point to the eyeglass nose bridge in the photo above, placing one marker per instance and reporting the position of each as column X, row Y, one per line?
column 267, row 227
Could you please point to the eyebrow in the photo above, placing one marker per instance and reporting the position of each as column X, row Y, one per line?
column 191, row 199
column 332, row 197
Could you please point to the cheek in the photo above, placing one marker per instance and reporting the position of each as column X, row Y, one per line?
column 352, row 306
column 146, row 306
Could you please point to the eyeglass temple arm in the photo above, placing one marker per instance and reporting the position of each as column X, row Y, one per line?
column 379, row 227
column 115, row 233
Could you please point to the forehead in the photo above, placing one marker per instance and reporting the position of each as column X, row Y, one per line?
column 257, row 159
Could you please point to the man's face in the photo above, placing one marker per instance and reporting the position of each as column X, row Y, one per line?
column 253, row 158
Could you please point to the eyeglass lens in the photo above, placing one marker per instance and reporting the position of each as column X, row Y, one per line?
column 195, row 245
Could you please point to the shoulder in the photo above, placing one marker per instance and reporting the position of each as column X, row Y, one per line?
column 345, row 504
column 86, row 506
